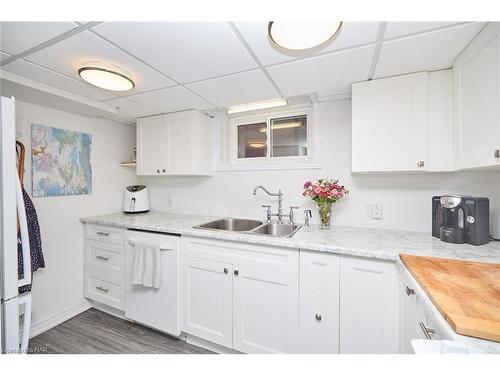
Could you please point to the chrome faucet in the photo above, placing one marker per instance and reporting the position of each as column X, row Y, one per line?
column 280, row 215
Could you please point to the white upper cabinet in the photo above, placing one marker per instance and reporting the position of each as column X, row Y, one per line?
column 403, row 123
column 180, row 143
column 389, row 124
column 477, row 100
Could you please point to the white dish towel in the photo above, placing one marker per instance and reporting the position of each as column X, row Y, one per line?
column 146, row 269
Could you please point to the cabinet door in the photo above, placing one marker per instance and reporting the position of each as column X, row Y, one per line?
column 319, row 303
column 149, row 140
column 389, row 124
column 206, row 300
column 265, row 311
column 176, row 155
column 414, row 314
column 477, row 99
column 369, row 306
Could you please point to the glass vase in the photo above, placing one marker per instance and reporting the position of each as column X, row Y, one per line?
column 325, row 214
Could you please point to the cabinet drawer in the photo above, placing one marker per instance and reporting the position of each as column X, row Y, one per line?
column 104, row 261
column 105, row 234
column 104, row 292
column 257, row 256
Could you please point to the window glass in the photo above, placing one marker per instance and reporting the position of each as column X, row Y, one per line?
column 252, row 140
column 289, row 136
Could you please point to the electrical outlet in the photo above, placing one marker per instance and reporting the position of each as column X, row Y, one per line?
column 170, row 201
column 377, row 211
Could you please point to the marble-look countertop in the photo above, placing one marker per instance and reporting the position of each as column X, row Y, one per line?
column 366, row 242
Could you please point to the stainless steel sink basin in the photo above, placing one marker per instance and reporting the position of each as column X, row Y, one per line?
column 251, row 227
column 277, row 230
column 232, row 225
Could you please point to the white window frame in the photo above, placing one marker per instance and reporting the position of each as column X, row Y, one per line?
column 279, row 162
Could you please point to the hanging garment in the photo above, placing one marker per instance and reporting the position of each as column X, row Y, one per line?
column 35, row 238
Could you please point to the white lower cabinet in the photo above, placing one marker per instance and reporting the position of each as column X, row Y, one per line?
column 227, row 300
column 104, row 265
column 319, row 303
column 265, row 311
column 206, row 300
column 369, row 306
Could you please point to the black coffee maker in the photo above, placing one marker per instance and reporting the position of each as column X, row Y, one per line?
column 461, row 219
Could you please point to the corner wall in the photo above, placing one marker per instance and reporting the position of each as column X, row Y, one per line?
column 58, row 289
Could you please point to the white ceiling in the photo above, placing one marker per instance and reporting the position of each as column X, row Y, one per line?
column 179, row 66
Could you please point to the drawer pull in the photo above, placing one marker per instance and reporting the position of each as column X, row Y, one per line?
column 318, row 317
column 102, row 233
column 105, row 290
column 226, row 270
column 409, row 291
column 427, row 331
column 236, row 272
column 102, row 258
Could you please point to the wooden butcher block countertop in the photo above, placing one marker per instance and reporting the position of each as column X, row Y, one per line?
column 466, row 293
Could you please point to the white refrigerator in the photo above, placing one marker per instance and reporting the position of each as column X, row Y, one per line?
column 15, row 311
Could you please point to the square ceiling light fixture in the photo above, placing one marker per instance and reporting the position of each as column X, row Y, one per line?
column 265, row 104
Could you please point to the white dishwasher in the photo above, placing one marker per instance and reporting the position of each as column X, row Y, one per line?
column 157, row 308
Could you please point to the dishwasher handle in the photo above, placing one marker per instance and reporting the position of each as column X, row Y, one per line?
column 163, row 246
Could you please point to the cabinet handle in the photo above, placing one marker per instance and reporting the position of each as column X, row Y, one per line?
column 158, row 170
column 236, row 272
column 102, row 233
column 318, row 317
column 409, row 291
column 102, row 258
column 427, row 331
column 497, row 154
column 105, row 290
column 164, row 170
column 226, row 270
column 420, row 163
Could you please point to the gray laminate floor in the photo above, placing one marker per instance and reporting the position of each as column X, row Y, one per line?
column 94, row 332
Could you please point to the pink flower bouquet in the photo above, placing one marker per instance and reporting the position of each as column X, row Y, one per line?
column 325, row 192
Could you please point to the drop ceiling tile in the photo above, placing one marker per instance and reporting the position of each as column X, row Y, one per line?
column 170, row 100
column 429, row 51
column 3, row 55
column 39, row 73
column 398, row 29
column 236, row 89
column 129, row 111
column 187, row 52
column 17, row 37
column 68, row 55
column 352, row 34
column 329, row 74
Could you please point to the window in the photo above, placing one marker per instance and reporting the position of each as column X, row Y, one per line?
column 272, row 137
column 252, row 141
column 289, row 136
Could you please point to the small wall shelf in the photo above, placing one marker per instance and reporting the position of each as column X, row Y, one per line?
column 128, row 164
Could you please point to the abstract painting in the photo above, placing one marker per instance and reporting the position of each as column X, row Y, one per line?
column 60, row 161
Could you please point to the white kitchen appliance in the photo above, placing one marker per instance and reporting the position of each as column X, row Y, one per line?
column 15, row 311
column 136, row 199
column 154, row 307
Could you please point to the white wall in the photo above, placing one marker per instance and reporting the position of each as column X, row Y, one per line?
column 60, row 285
column 405, row 198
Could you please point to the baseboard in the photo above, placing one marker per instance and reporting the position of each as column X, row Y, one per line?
column 109, row 310
column 202, row 343
column 56, row 319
